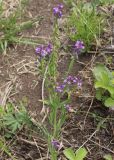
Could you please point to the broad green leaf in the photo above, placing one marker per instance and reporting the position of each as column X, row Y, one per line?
column 108, row 157
column 112, row 81
column 110, row 90
column 99, row 94
column 109, row 102
column 102, row 74
column 99, row 84
column 104, row 82
column 81, row 154
column 69, row 153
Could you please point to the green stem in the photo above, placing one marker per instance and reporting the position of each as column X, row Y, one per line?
column 70, row 65
column 55, row 123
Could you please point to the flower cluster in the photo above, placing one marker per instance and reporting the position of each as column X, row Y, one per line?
column 57, row 11
column 78, row 46
column 60, row 88
column 56, row 144
column 69, row 108
column 44, row 50
column 70, row 80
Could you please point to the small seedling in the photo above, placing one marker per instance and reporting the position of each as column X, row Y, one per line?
column 78, row 155
column 104, row 85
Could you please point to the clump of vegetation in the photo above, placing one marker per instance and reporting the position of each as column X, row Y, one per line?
column 58, row 107
column 103, row 2
column 84, row 24
column 12, row 119
column 11, row 26
column 84, row 27
column 4, row 148
column 104, row 85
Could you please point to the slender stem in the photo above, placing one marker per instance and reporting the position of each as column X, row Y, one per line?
column 43, row 85
column 55, row 123
column 70, row 65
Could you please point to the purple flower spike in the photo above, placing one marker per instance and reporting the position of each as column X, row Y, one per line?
column 60, row 6
column 67, row 107
column 57, row 11
column 49, row 48
column 65, row 81
column 38, row 49
column 78, row 46
column 56, row 144
column 79, row 83
column 60, row 88
column 43, row 50
column 70, row 80
column 75, row 80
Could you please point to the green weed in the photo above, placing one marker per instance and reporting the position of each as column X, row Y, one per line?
column 78, row 155
column 103, row 2
column 84, row 24
column 11, row 26
column 104, row 85
column 13, row 119
column 4, row 148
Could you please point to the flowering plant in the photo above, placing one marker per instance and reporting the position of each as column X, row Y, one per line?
column 70, row 84
column 43, row 51
column 57, row 11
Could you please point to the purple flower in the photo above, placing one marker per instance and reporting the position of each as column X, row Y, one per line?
column 44, row 50
column 57, row 11
column 79, row 84
column 69, row 108
column 75, row 80
column 39, row 49
column 60, row 88
column 70, row 80
column 56, row 144
column 60, row 6
column 78, row 46
column 49, row 48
